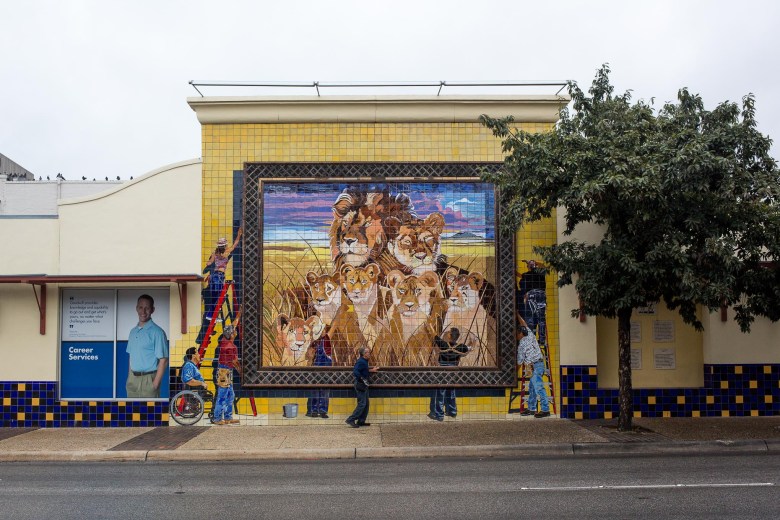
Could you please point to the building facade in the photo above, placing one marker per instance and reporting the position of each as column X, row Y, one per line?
column 274, row 186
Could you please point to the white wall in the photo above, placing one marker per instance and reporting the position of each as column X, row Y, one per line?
column 41, row 197
column 151, row 225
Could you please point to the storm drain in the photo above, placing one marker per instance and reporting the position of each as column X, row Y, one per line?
column 163, row 438
column 608, row 430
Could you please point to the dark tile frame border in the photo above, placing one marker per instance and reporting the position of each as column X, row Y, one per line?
column 255, row 376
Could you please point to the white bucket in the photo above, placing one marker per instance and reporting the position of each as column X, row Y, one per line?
column 290, row 410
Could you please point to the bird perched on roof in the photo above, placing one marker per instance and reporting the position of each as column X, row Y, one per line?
column 47, row 178
column 83, row 178
column 117, row 178
column 106, row 178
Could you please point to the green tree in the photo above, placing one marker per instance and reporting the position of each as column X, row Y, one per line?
column 688, row 200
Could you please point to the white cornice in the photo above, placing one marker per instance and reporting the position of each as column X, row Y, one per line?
column 375, row 109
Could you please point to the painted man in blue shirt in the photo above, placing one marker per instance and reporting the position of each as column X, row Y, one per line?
column 148, row 350
column 361, row 372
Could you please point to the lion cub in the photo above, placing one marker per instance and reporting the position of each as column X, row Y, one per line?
column 362, row 315
column 415, row 319
column 294, row 336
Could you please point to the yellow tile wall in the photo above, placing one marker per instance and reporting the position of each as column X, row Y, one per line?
column 225, row 148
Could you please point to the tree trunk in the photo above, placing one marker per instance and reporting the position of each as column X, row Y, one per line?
column 625, row 398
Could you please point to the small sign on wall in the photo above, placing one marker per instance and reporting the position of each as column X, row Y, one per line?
column 646, row 311
column 636, row 359
column 663, row 331
column 636, row 332
column 664, row 359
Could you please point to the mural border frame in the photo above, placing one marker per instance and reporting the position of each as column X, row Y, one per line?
column 257, row 376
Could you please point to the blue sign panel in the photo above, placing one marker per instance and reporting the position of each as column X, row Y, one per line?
column 87, row 369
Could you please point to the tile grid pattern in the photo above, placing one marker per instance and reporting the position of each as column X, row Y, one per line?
column 729, row 390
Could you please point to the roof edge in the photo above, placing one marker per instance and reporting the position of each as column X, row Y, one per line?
column 375, row 109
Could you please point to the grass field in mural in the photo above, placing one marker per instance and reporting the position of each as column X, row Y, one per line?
column 407, row 269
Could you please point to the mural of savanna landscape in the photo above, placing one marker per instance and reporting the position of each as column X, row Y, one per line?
column 390, row 265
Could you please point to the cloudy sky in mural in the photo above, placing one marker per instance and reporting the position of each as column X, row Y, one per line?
column 94, row 88
column 295, row 211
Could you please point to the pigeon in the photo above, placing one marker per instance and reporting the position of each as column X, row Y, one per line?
column 131, row 177
column 106, row 178
column 47, row 178
column 117, row 178
column 83, row 178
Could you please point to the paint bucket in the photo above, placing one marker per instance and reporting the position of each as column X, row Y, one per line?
column 290, row 410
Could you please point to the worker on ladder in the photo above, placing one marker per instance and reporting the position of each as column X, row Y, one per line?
column 529, row 353
column 216, row 267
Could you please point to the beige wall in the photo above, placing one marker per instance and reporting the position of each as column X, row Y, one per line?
column 29, row 246
column 148, row 226
column 26, row 355
column 724, row 343
column 687, row 345
column 578, row 339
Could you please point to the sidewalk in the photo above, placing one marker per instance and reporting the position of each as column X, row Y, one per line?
column 516, row 438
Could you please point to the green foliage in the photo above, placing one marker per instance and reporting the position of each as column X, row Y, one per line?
column 688, row 199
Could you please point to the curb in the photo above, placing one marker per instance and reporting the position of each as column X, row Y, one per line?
column 73, row 456
column 516, row 450
column 240, row 455
column 677, row 447
column 409, row 452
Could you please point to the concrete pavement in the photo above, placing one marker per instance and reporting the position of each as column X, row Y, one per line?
column 517, row 438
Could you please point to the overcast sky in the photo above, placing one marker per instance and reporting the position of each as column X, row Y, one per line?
column 99, row 88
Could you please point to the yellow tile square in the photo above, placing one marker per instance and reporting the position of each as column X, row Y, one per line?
column 20, row 416
column 637, row 413
column 106, row 416
column 6, row 401
column 607, row 415
column 767, row 369
column 754, row 413
column 696, row 413
column 591, row 370
column 76, row 416
column 564, row 371
column 724, row 413
column 651, row 399
column 35, row 401
column 680, row 399
column 724, row 385
column 667, row 414
column 710, row 399
column 753, row 384
column 578, row 386
column 21, row 387
column 565, row 401
column 49, row 416
column 738, row 370
column 768, row 399
column 739, row 399
column 578, row 415
column 593, row 400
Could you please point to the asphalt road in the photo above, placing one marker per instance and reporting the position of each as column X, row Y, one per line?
column 689, row 487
